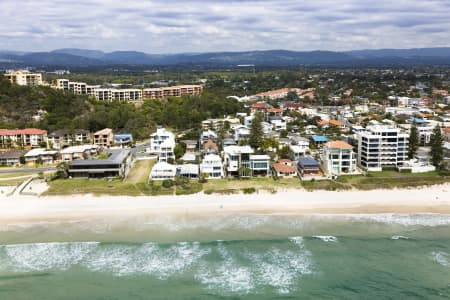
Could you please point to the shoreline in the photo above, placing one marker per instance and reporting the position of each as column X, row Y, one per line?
column 19, row 209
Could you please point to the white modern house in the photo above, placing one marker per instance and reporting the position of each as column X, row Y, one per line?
column 163, row 170
column 338, row 158
column 240, row 161
column 382, row 146
column 212, row 165
column 241, row 132
column 162, row 143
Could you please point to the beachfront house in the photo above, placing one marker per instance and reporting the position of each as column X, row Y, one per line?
column 212, row 166
column 162, row 143
column 240, row 161
column 117, row 164
column 338, row 158
column 163, row 170
column 188, row 170
column 308, row 168
column 284, row 168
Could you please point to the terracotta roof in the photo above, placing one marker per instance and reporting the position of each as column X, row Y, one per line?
column 284, row 160
column 281, row 168
column 260, row 105
column 274, row 110
column 338, row 145
column 335, row 123
column 322, row 122
column 446, row 130
column 22, row 131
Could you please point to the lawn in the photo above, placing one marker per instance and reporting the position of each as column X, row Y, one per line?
column 140, row 171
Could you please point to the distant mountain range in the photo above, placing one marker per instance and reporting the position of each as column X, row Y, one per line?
column 71, row 57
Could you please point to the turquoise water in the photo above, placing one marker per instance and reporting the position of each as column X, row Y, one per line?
column 231, row 257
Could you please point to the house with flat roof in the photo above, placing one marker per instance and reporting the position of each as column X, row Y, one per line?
column 117, row 164
column 24, row 77
column 338, row 158
column 319, row 140
column 163, row 170
column 188, row 170
column 212, row 166
column 162, row 143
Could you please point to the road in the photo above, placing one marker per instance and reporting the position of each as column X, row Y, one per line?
column 26, row 170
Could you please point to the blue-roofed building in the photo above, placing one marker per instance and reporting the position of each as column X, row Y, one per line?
column 124, row 139
column 417, row 121
column 308, row 166
column 319, row 140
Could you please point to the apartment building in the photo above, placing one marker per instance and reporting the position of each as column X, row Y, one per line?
column 22, row 138
column 172, row 91
column 59, row 139
column 125, row 95
column 338, row 158
column 382, row 146
column 24, row 77
column 162, row 143
column 104, row 138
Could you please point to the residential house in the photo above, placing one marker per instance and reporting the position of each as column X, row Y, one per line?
column 338, row 158
column 284, row 168
column 104, row 138
column 241, row 133
column 260, row 165
column 309, row 168
column 237, row 160
column 188, row 170
column 191, row 146
column 40, row 155
column 319, row 140
column 210, row 147
column 163, row 170
column 78, row 152
column 123, row 139
column 162, row 143
column 117, row 164
column 382, row 146
column 212, row 166
column 11, row 157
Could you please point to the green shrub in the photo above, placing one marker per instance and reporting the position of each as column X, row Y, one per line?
column 249, row 190
column 167, row 183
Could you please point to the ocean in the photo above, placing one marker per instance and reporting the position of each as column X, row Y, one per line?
column 383, row 256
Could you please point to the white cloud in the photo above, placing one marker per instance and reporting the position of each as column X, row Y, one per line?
column 211, row 25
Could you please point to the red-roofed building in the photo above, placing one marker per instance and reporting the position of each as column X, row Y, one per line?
column 260, row 107
column 338, row 158
column 284, row 168
column 22, row 138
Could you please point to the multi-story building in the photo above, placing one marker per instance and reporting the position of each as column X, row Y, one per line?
column 125, row 95
column 24, row 77
column 104, row 137
column 212, row 165
column 22, row 138
column 240, row 161
column 59, row 139
column 382, row 146
column 172, row 91
column 338, row 158
column 162, row 143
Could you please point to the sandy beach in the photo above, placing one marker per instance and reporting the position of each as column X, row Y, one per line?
column 17, row 209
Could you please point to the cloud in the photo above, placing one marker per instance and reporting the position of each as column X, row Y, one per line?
column 170, row 26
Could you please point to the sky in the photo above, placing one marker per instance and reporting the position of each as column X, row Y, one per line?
column 176, row 26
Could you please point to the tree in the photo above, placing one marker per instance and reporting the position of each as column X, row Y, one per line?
column 413, row 141
column 179, row 150
column 62, row 170
column 256, row 132
column 284, row 152
column 437, row 149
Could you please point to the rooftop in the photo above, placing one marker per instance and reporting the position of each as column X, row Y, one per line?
column 338, row 145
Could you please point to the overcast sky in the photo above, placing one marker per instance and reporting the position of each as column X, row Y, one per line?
column 173, row 26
